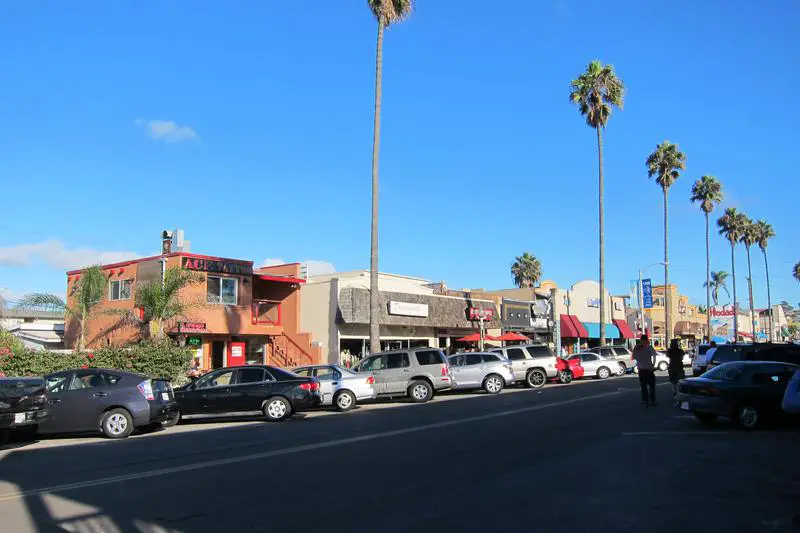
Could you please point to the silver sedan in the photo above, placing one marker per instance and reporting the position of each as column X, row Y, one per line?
column 488, row 371
column 339, row 386
column 596, row 365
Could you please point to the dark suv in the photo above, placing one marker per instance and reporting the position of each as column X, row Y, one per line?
column 781, row 353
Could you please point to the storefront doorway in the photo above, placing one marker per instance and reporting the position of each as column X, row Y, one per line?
column 217, row 354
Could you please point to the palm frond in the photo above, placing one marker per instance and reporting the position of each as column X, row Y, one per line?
column 707, row 191
column 764, row 233
column 596, row 92
column 665, row 164
column 41, row 300
column 388, row 12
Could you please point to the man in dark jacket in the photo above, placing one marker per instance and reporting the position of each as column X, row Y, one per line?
column 645, row 357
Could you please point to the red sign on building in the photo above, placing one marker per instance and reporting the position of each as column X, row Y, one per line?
column 192, row 327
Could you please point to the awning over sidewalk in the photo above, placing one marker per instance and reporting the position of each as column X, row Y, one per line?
column 594, row 331
column 572, row 327
column 623, row 327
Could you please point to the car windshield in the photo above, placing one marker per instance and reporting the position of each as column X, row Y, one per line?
column 730, row 372
column 19, row 387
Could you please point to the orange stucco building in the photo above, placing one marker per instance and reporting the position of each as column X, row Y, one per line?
column 237, row 315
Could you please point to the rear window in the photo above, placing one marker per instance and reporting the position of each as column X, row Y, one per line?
column 730, row 372
column 20, row 387
column 729, row 352
column 515, row 354
column 537, row 352
column 621, row 351
column 429, row 357
column 279, row 373
column 397, row 360
column 250, row 375
column 490, row 358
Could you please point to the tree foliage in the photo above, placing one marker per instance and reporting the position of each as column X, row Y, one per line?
column 526, row 270
column 665, row 164
column 718, row 281
column 707, row 191
column 388, row 12
column 596, row 92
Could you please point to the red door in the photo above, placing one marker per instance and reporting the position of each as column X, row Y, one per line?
column 236, row 353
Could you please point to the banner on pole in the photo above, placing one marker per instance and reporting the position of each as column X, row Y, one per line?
column 647, row 293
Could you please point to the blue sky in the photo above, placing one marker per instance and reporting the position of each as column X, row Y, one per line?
column 249, row 124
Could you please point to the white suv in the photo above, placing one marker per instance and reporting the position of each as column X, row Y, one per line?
column 532, row 364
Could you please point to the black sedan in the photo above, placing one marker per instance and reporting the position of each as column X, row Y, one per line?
column 248, row 390
column 748, row 392
column 111, row 401
column 22, row 402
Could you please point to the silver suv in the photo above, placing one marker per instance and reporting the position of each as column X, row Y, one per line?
column 533, row 364
column 414, row 372
column 621, row 354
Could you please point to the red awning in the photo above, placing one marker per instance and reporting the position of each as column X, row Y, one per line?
column 568, row 328
column 283, row 279
column 475, row 337
column 512, row 336
column 746, row 335
column 579, row 327
column 623, row 328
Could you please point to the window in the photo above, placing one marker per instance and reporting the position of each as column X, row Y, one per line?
column 727, row 353
column 120, row 290
column 56, row 384
column 607, row 352
column 111, row 379
column 327, row 372
column 771, row 375
column 397, row 360
column 266, row 312
column 303, row 372
column 786, row 353
column 658, row 301
column 621, row 351
column 371, row 364
column 87, row 380
column 490, row 358
column 457, row 360
column 223, row 291
column 539, row 351
column 729, row 372
column 430, row 357
column 217, row 379
column 250, row 375
column 589, row 357
column 474, row 359
column 515, row 354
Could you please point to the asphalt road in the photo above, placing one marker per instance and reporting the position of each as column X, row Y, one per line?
column 584, row 457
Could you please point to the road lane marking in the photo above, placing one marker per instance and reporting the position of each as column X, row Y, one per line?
column 673, row 433
column 297, row 449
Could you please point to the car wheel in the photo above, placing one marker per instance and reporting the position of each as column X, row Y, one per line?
column 622, row 368
column 277, row 409
column 172, row 421
column 706, row 418
column 536, row 378
column 344, row 400
column 420, row 391
column 565, row 376
column 747, row 417
column 603, row 372
column 663, row 366
column 493, row 384
column 116, row 424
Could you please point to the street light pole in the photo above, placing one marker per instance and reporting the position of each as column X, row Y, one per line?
column 641, row 295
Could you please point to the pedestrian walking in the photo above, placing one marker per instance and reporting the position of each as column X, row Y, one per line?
column 645, row 357
column 676, row 373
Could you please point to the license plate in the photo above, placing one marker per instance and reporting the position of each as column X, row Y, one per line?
column 19, row 418
column 165, row 396
column 685, row 406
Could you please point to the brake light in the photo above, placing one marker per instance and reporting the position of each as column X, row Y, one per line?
column 707, row 391
column 444, row 370
column 146, row 388
column 371, row 380
column 310, row 386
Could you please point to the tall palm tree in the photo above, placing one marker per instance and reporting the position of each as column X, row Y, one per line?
column 730, row 226
column 707, row 191
column 665, row 164
column 161, row 302
column 749, row 238
column 386, row 12
column 764, row 233
column 718, row 281
column 596, row 92
column 42, row 300
column 87, row 292
column 796, row 271
column 527, row 270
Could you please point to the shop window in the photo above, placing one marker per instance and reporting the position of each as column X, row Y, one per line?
column 266, row 312
column 120, row 290
column 223, row 291
column 658, row 301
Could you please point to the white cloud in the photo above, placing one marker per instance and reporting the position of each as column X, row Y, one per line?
column 167, row 130
column 272, row 262
column 315, row 266
column 55, row 253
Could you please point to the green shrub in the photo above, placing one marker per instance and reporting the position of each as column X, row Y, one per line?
column 154, row 359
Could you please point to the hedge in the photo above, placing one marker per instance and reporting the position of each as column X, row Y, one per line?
column 154, row 359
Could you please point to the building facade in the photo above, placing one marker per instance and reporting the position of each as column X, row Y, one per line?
column 688, row 323
column 236, row 314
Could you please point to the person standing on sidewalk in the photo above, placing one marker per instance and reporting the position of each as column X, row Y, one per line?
column 676, row 373
column 645, row 357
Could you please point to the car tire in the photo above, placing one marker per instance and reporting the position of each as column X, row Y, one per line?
column 747, row 417
column 565, row 376
column 420, row 391
column 603, row 372
column 344, row 400
column 116, row 424
column 277, row 409
column 536, row 378
column 707, row 419
column 663, row 366
column 172, row 421
column 623, row 368
column 493, row 384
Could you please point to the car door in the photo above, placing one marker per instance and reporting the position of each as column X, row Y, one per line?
column 76, row 402
column 457, row 368
column 590, row 363
column 214, row 392
column 374, row 366
column 474, row 368
column 768, row 385
column 519, row 362
column 247, row 392
column 397, row 373
column 330, row 381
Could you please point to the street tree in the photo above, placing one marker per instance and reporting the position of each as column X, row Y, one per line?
column 707, row 191
column 88, row 291
column 764, row 233
column 749, row 238
column 526, row 270
column 718, row 281
column 730, row 226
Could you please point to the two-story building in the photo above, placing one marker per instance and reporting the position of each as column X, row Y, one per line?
column 688, row 323
column 235, row 314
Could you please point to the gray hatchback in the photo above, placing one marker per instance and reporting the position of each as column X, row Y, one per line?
column 414, row 372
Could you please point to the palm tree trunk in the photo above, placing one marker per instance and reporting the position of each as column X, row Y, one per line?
column 708, row 284
column 667, row 299
column 602, row 241
column 82, row 338
column 750, row 292
column 735, row 304
column 374, row 295
column 769, row 297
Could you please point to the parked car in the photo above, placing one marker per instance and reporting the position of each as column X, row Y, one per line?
column 110, row 401
column 488, row 371
column 339, row 386
column 748, row 392
column 569, row 369
column 533, row 364
column 414, row 372
column 595, row 365
column 248, row 391
column 622, row 354
column 22, row 406
column 699, row 365
column 760, row 351
column 662, row 362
